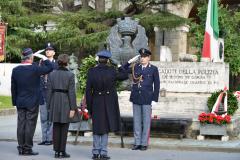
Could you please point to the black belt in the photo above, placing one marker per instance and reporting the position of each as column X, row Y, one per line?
column 60, row 90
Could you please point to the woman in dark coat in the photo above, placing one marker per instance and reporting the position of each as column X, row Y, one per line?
column 61, row 101
column 102, row 102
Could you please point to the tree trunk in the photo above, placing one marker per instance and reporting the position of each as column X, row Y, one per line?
column 100, row 5
column 115, row 5
column 85, row 4
column 67, row 5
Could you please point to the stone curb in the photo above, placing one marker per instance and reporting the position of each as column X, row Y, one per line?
column 6, row 112
column 170, row 147
column 161, row 147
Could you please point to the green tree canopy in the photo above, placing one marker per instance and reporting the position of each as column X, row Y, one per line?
column 229, row 24
column 77, row 30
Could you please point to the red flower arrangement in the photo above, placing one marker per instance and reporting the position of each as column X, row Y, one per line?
column 211, row 118
column 84, row 113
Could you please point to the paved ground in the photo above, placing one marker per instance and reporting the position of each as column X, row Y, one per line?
column 83, row 152
column 161, row 148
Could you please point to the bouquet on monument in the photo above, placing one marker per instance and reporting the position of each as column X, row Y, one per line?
column 218, row 114
column 212, row 118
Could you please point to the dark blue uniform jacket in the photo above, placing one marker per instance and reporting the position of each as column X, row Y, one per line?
column 43, row 83
column 147, row 90
column 25, row 84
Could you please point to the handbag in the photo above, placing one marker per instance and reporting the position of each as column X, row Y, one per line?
column 76, row 118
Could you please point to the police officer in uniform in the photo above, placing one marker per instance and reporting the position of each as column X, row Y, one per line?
column 144, row 94
column 102, row 102
column 46, row 125
column 25, row 89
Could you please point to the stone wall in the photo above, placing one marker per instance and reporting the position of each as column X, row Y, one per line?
column 5, row 78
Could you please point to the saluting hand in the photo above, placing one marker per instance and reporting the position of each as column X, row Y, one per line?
column 134, row 59
column 71, row 114
column 37, row 54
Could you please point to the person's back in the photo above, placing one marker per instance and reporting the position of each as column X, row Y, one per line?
column 27, row 85
column 25, row 89
column 105, row 76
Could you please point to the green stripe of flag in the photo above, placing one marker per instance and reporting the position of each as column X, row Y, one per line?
column 214, row 18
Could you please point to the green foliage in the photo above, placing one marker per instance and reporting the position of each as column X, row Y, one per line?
column 229, row 23
column 80, row 32
column 86, row 63
column 162, row 20
column 232, row 102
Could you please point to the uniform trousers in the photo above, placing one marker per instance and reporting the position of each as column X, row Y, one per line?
column 142, row 123
column 100, row 143
column 60, row 131
column 26, row 125
column 46, row 125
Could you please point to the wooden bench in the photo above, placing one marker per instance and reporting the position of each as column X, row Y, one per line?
column 163, row 126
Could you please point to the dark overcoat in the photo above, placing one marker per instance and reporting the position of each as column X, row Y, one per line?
column 102, row 99
column 61, row 96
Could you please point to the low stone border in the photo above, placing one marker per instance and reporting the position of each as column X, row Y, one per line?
column 6, row 112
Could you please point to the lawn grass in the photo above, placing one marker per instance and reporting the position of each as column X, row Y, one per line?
column 5, row 102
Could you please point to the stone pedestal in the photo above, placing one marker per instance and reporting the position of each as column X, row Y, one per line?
column 213, row 129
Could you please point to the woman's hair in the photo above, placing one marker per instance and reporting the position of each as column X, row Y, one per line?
column 63, row 60
column 102, row 60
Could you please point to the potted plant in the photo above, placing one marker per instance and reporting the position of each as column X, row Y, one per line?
column 214, row 123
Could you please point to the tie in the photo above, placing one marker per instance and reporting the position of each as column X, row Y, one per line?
column 143, row 68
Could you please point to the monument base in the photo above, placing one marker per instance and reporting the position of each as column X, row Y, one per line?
column 180, row 105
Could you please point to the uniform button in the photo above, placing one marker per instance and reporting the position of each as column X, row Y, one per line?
column 107, row 92
column 99, row 93
column 139, row 91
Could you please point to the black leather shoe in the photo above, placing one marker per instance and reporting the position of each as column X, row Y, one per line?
column 47, row 143
column 143, row 148
column 64, row 155
column 136, row 147
column 95, row 156
column 57, row 155
column 20, row 150
column 104, row 157
column 42, row 143
column 30, row 153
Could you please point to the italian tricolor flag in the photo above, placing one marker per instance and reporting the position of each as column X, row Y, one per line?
column 210, row 44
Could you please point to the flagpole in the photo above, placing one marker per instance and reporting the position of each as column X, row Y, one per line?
column 4, row 49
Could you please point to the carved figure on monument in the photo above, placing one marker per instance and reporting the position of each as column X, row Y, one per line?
column 125, row 39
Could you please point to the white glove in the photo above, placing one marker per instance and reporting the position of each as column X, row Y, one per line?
column 134, row 59
column 39, row 51
column 40, row 56
column 96, row 58
column 153, row 103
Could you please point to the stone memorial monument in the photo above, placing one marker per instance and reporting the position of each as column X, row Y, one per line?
column 124, row 41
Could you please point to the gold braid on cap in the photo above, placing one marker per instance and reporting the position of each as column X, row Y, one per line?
column 135, row 79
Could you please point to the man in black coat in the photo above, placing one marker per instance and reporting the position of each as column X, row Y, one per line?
column 25, row 88
column 102, row 102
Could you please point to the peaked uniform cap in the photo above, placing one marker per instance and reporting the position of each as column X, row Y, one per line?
column 49, row 46
column 26, row 52
column 144, row 51
column 104, row 53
